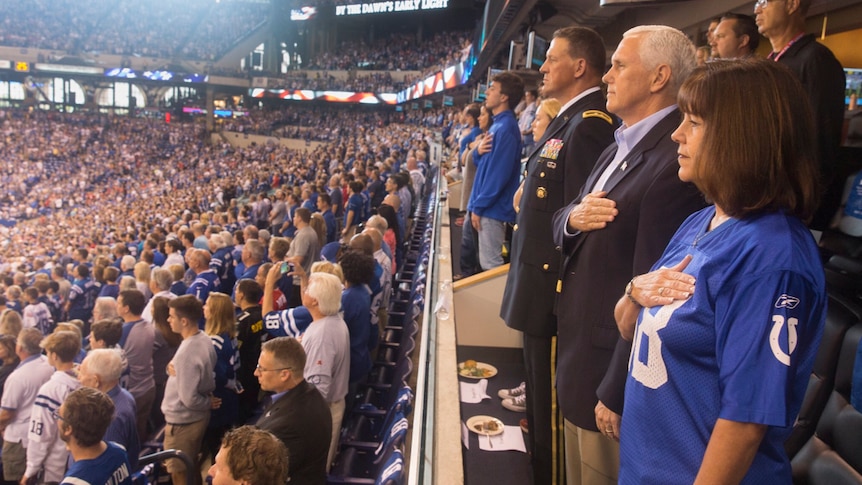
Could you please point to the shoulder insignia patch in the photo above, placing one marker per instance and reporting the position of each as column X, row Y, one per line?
column 594, row 113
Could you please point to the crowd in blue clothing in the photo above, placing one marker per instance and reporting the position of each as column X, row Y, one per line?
column 178, row 217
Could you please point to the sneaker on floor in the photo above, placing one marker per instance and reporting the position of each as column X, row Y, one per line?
column 517, row 403
column 514, row 392
column 525, row 427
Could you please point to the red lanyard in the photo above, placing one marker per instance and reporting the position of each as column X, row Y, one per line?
column 775, row 56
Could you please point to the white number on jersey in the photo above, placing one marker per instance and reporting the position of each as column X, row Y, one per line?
column 653, row 373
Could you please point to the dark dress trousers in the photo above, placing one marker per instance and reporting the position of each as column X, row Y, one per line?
column 556, row 170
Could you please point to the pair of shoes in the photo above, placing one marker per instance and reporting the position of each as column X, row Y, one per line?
column 517, row 403
column 513, row 392
column 458, row 276
column 525, row 427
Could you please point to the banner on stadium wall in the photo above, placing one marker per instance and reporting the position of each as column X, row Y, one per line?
column 329, row 96
column 448, row 78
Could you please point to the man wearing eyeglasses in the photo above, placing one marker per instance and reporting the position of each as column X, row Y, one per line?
column 783, row 23
column 298, row 415
column 191, row 381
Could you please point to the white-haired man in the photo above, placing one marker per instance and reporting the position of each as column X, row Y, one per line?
column 101, row 370
column 160, row 284
column 616, row 228
column 327, row 345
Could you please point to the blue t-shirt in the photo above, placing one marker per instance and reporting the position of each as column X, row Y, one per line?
column 331, row 226
column 356, row 204
column 109, row 468
column 226, row 367
column 356, row 305
column 740, row 349
column 111, row 291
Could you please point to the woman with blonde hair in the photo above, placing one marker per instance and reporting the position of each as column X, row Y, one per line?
column 11, row 323
column 546, row 112
column 221, row 328
column 318, row 223
column 142, row 279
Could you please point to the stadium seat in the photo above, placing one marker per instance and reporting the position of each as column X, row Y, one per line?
column 840, row 316
column 832, row 455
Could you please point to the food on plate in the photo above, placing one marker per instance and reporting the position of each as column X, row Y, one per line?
column 471, row 369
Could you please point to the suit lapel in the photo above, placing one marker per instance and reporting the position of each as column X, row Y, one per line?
column 635, row 157
column 661, row 130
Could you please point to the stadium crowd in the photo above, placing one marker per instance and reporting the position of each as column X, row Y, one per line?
column 398, row 52
column 196, row 29
column 313, row 123
column 135, row 230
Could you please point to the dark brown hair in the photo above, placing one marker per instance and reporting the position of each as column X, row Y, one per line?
column 89, row 412
column 161, row 310
column 255, row 456
column 758, row 150
column 512, row 86
column 585, row 43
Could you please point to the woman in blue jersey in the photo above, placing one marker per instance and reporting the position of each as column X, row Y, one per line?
column 726, row 326
column 221, row 328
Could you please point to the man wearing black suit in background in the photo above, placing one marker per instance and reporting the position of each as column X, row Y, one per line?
column 616, row 228
column 298, row 415
column 556, row 170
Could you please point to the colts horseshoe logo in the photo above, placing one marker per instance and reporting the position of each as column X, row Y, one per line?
column 774, row 342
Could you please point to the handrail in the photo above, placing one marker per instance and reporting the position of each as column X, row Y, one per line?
column 480, row 277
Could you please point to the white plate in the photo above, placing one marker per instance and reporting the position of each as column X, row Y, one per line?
column 479, row 420
column 490, row 371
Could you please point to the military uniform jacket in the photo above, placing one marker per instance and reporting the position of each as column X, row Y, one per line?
column 556, row 169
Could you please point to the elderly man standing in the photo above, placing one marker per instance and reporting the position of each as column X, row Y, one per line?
column 298, row 414
column 160, row 284
column 326, row 342
column 616, row 228
column 101, row 370
column 556, row 170
column 206, row 280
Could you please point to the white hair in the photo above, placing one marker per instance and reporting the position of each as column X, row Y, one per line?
column 105, row 307
column 105, row 363
column 217, row 241
column 162, row 278
column 661, row 44
column 128, row 262
column 326, row 289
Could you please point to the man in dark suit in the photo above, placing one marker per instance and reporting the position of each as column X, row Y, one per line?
column 556, row 170
column 616, row 228
column 298, row 415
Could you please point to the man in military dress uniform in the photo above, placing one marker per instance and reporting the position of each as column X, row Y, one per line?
column 556, row 170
